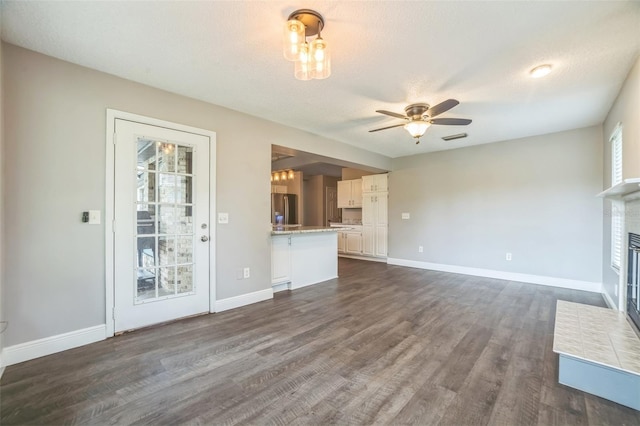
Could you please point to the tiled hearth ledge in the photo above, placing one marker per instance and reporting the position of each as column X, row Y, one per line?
column 599, row 352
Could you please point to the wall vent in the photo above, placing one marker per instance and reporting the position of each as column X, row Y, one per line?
column 452, row 137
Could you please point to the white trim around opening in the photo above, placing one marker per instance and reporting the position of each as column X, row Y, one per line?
column 112, row 115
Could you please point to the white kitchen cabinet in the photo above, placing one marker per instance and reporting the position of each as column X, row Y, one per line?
column 353, row 243
column 280, row 259
column 375, row 183
column 278, row 189
column 302, row 259
column 374, row 224
column 350, row 241
column 341, row 242
column 350, row 194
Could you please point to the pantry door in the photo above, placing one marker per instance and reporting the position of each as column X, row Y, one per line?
column 161, row 227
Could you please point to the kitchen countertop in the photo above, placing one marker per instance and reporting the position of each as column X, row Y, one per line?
column 283, row 230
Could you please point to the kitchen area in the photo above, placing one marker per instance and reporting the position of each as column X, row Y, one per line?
column 323, row 208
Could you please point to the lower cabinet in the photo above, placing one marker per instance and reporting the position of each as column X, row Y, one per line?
column 280, row 259
column 302, row 259
column 350, row 242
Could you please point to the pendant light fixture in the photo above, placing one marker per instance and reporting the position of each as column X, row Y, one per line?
column 312, row 60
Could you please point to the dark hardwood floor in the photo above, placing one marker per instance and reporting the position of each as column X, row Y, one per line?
column 380, row 345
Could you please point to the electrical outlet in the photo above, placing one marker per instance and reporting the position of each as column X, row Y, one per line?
column 247, row 272
column 508, row 256
column 420, row 249
column 406, row 216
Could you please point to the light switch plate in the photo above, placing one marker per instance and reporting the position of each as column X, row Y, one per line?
column 223, row 217
column 406, row 216
column 94, row 217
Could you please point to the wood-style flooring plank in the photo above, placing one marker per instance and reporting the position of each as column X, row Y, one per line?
column 380, row 345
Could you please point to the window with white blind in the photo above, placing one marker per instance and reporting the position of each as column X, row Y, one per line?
column 617, row 224
column 616, row 155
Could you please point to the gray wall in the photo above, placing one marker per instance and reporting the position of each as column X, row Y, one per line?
column 625, row 109
column 55, row 168
column 533, row 197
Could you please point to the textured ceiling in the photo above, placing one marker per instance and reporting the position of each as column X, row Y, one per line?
column 385, row 54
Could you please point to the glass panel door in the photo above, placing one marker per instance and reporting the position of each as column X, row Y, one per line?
column 162, row 238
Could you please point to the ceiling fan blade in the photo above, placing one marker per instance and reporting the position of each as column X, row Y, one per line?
column 392, row 114
column 451, row 121
column 441, row 107
column 385, row 128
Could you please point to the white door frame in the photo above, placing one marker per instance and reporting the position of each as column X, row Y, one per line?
column 112, row 115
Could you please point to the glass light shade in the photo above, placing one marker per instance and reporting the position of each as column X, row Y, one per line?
column 293, row 37
column 320, row 59
column 417, row 128
column 283, row 176
column 276, row 177
column 304, row 68
column 291, row 175
column 540, row 71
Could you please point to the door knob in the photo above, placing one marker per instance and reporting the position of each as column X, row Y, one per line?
column 204, row 238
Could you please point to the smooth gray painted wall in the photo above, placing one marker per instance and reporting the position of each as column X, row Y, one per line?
column 533, row 197
column 55, row 169
column 625, row 110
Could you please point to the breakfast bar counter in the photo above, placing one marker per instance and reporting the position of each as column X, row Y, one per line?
column 303, row 256
column 295, row 229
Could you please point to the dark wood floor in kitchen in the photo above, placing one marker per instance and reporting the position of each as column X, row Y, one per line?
column 381, row 344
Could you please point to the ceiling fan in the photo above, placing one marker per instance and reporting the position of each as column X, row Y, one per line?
column 420, row 116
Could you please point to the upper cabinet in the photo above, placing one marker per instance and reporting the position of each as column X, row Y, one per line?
column 278, row 189
column 375, row 183
column 350, row 194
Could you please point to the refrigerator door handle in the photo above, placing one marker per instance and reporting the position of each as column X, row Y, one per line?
column 286, row 210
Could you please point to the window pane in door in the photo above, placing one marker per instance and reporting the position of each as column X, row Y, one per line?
column 146, row 252
column 166, row 251
column 146, row 187
column 166, row 281
column 184, row 249
column 185, row 279
column 146, row 284
column 166, row 219
column 146, row 154
column 167, row 188
column 183, row 189
column 185, row 159
column 166, row 157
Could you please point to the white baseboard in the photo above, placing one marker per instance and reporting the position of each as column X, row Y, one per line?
column 243, row 300
column 50, row 345
column 608, row 300
column 502, row 275
column 368, row 258
column 281, row 287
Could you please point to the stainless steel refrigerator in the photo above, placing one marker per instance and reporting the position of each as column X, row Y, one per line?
column 283, row 209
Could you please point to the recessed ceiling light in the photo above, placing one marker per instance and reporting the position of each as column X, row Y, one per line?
column 540, row 71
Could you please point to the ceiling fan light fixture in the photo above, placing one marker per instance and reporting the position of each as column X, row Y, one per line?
column 540, row 71
column 416, row 128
